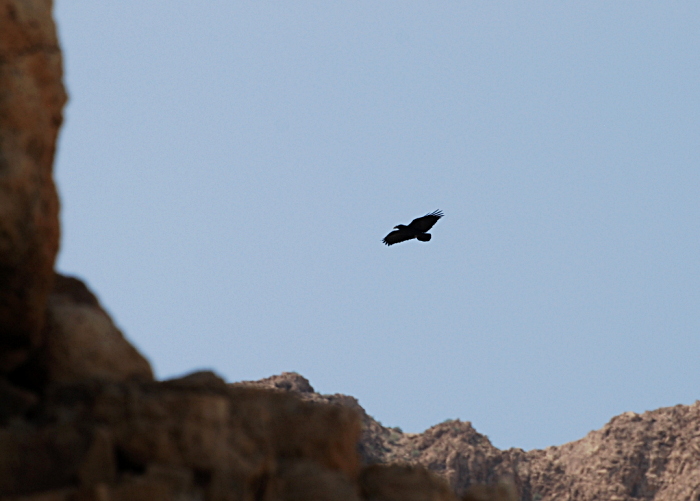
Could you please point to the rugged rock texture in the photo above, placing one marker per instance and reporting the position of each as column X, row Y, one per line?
column 377, row 441
column 651, row 456
column 654, row 455
column 82, row 341
column 31, row 103
column 194, row 437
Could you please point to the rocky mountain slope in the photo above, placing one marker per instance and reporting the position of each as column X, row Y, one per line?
column 649, row 456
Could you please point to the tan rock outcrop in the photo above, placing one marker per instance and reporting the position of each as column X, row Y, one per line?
column 81, row 340
column 649, row 456
column 654, row 456
column 195, row 435
column 31, row 102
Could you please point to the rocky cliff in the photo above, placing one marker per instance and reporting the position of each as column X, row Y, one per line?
column 82, row 418
column 31, row 104
column 650, row 456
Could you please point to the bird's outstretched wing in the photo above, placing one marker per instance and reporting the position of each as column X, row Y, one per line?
column 397, row 236
column 423, row 224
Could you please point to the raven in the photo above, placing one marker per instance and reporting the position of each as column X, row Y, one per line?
column 417, row 229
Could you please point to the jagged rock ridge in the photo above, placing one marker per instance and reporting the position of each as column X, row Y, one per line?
column 650, row 456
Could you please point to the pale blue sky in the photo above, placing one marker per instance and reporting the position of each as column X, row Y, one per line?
column 228, row 170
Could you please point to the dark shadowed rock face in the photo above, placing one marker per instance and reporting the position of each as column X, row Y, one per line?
column 79, row 341
column 31, row 104
column 196, row 436
column 403, row 483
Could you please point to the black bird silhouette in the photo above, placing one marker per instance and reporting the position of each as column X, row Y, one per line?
column 417, row 229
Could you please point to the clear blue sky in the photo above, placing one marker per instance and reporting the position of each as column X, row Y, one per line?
column 228, row 169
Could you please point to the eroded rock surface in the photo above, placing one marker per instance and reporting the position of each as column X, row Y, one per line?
column 654, row 456
column 82, row 341
column 31, row 103
column 196, row 435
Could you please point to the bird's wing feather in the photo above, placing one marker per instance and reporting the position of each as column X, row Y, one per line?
column 426, row 222
column 397, row 236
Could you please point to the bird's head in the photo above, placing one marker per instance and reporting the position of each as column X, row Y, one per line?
column 400, row 227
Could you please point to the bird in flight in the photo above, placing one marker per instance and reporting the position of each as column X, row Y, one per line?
column 417, row 229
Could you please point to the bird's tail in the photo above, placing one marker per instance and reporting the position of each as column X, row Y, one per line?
column 423, row 237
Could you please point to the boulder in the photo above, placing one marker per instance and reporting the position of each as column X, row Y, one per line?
column 82, row 341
